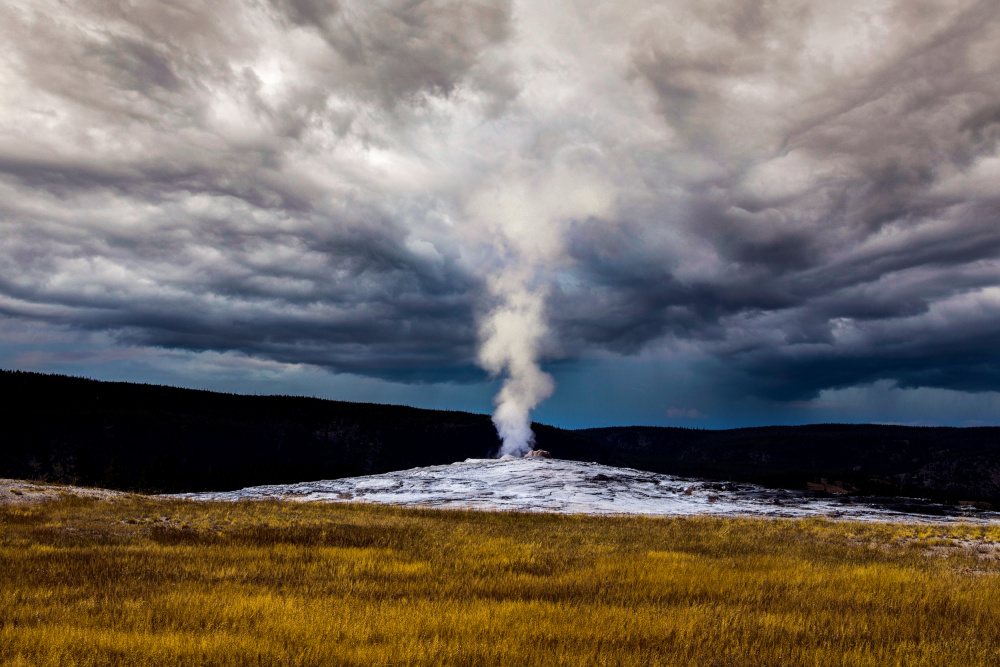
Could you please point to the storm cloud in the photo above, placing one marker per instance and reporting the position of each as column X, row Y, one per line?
column 807, row 194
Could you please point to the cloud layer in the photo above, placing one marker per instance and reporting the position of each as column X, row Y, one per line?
column 807, row 194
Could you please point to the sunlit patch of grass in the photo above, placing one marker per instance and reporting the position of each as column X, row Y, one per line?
column 141, row 581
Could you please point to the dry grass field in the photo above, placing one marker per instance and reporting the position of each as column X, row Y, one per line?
column 139, row 581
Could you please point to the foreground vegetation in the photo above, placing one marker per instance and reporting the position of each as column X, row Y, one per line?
column 139, row 581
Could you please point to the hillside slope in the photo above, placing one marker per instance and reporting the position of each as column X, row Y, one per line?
column 165, row 439
column 951, row 464
column 153, row 438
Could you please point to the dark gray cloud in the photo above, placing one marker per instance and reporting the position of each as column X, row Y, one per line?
column 395, row 51
column 807, row 194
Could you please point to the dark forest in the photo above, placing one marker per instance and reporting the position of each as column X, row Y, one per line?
column 164, row 439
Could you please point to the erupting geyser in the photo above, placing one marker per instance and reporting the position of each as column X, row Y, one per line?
column 524, row 214
column 511, row 337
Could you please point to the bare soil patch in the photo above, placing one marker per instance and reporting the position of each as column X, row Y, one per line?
column 21, row 492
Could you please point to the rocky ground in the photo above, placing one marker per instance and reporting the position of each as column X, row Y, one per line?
column 554, row 485
column 20, row 492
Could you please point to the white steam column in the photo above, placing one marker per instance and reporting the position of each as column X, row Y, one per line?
column 524, row 216
column 511, row 344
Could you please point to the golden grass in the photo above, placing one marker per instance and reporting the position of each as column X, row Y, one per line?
column 155, row 582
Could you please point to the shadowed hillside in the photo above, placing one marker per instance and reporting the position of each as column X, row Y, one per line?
column 950, row 464
column 153, row 438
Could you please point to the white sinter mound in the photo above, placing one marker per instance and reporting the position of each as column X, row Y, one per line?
column 555, row 485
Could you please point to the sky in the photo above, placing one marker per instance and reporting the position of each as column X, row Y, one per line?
column 695, row 213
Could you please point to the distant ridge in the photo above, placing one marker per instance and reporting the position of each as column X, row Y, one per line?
column 143, row 437
column 944, row 463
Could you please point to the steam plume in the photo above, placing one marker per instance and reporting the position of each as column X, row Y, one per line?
column 526, row 214
column 511, row 337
